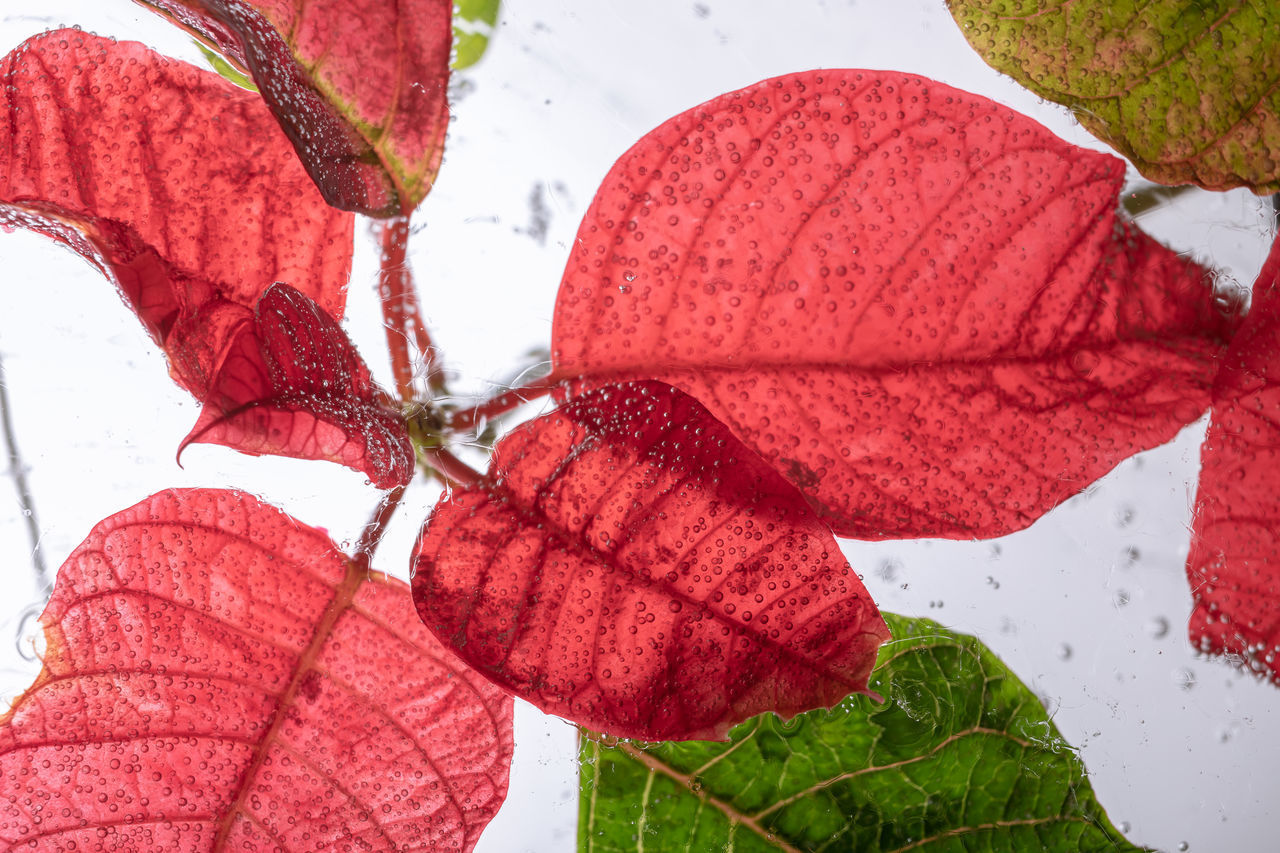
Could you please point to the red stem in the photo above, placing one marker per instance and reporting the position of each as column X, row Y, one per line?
column 401, row 315
column 451, row 469
column 362, row 555
column 466, row 419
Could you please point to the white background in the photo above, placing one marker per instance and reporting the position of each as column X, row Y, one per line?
column 1088, row 606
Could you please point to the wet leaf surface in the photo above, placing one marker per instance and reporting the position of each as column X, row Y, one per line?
column 1234, row 564
column 919, row 306
column 292, row 384
column 126, row 157
column 631, row 566
column 1189, row 90
column 219, row 677
column 961, row 757
column 359, row 86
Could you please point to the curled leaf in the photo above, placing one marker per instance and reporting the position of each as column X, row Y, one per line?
column 1234, row 563
column 919, row 306
column 219, row 677
column 359, row 86
column 631, row 566
column 292, row 384
column 1188, row 90
column 176, row 184
column 961, row 757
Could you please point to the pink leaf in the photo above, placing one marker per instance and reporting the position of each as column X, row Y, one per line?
column 291, row 383
column 218, row 677
column 916, row 304
column 360, row 86
column 176, row 184
column 1234, row 564
column 631, row 566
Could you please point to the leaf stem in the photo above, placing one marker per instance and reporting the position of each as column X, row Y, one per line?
column 401, row 315
column 451, row 469
column 369, row 540
column 18, row 471
column 466, row 419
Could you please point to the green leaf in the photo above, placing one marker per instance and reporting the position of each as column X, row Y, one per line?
column 225, row 69
column 473, row 23
column 1189, row 90
column 961, row 756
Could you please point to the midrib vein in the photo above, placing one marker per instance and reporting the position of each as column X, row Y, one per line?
column 341, row 601
column 735, row 816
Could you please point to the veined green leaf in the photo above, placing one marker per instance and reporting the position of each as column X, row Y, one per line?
column 473, row 23
column 961, row 756
column 1189, row 90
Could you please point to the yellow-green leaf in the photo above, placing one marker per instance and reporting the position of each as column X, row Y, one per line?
column 473, row 23
column 1189, row 90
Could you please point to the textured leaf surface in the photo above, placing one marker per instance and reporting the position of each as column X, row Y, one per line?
column 292, row 384
column 473, row 24
column 633, row 567
column 1234, row 564
column 962, row 757
column 1189, row 90
column 127, row 157
column 219, row 677
column 359, row 86
column 918, row 305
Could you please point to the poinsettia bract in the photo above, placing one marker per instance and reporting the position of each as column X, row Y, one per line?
column 630, row 565
column 917, row 304
column 219, row 677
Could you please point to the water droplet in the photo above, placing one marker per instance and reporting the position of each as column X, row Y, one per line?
column 1157, row 627
column 1064, row 651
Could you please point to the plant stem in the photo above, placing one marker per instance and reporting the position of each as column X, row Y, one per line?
column 369, row 540
column 451, row 469
column 18, row 470
column 465, row 419
column 401, row 315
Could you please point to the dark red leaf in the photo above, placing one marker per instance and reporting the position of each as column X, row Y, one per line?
column 175, row 183
column 631, row 566
column 291, row 383
column 219, row 677
column 360, row 86
column 1234, row 564
column 917, row 304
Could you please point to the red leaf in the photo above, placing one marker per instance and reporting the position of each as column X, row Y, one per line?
column 219, row 677
column 291, row 383
column 631, row 566
column 360, row 86
column 917, row 304
column 175, row 183
column 1234, row 564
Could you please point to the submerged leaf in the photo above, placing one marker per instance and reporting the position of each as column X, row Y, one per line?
column 1234, row 564
column 919, row 306
column 631, row 566
column 961, row 757
column 175, row 183
column 473, row 24
column 1189, row 90
column 219, row 677
column 359, row 86
column 291, row 383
